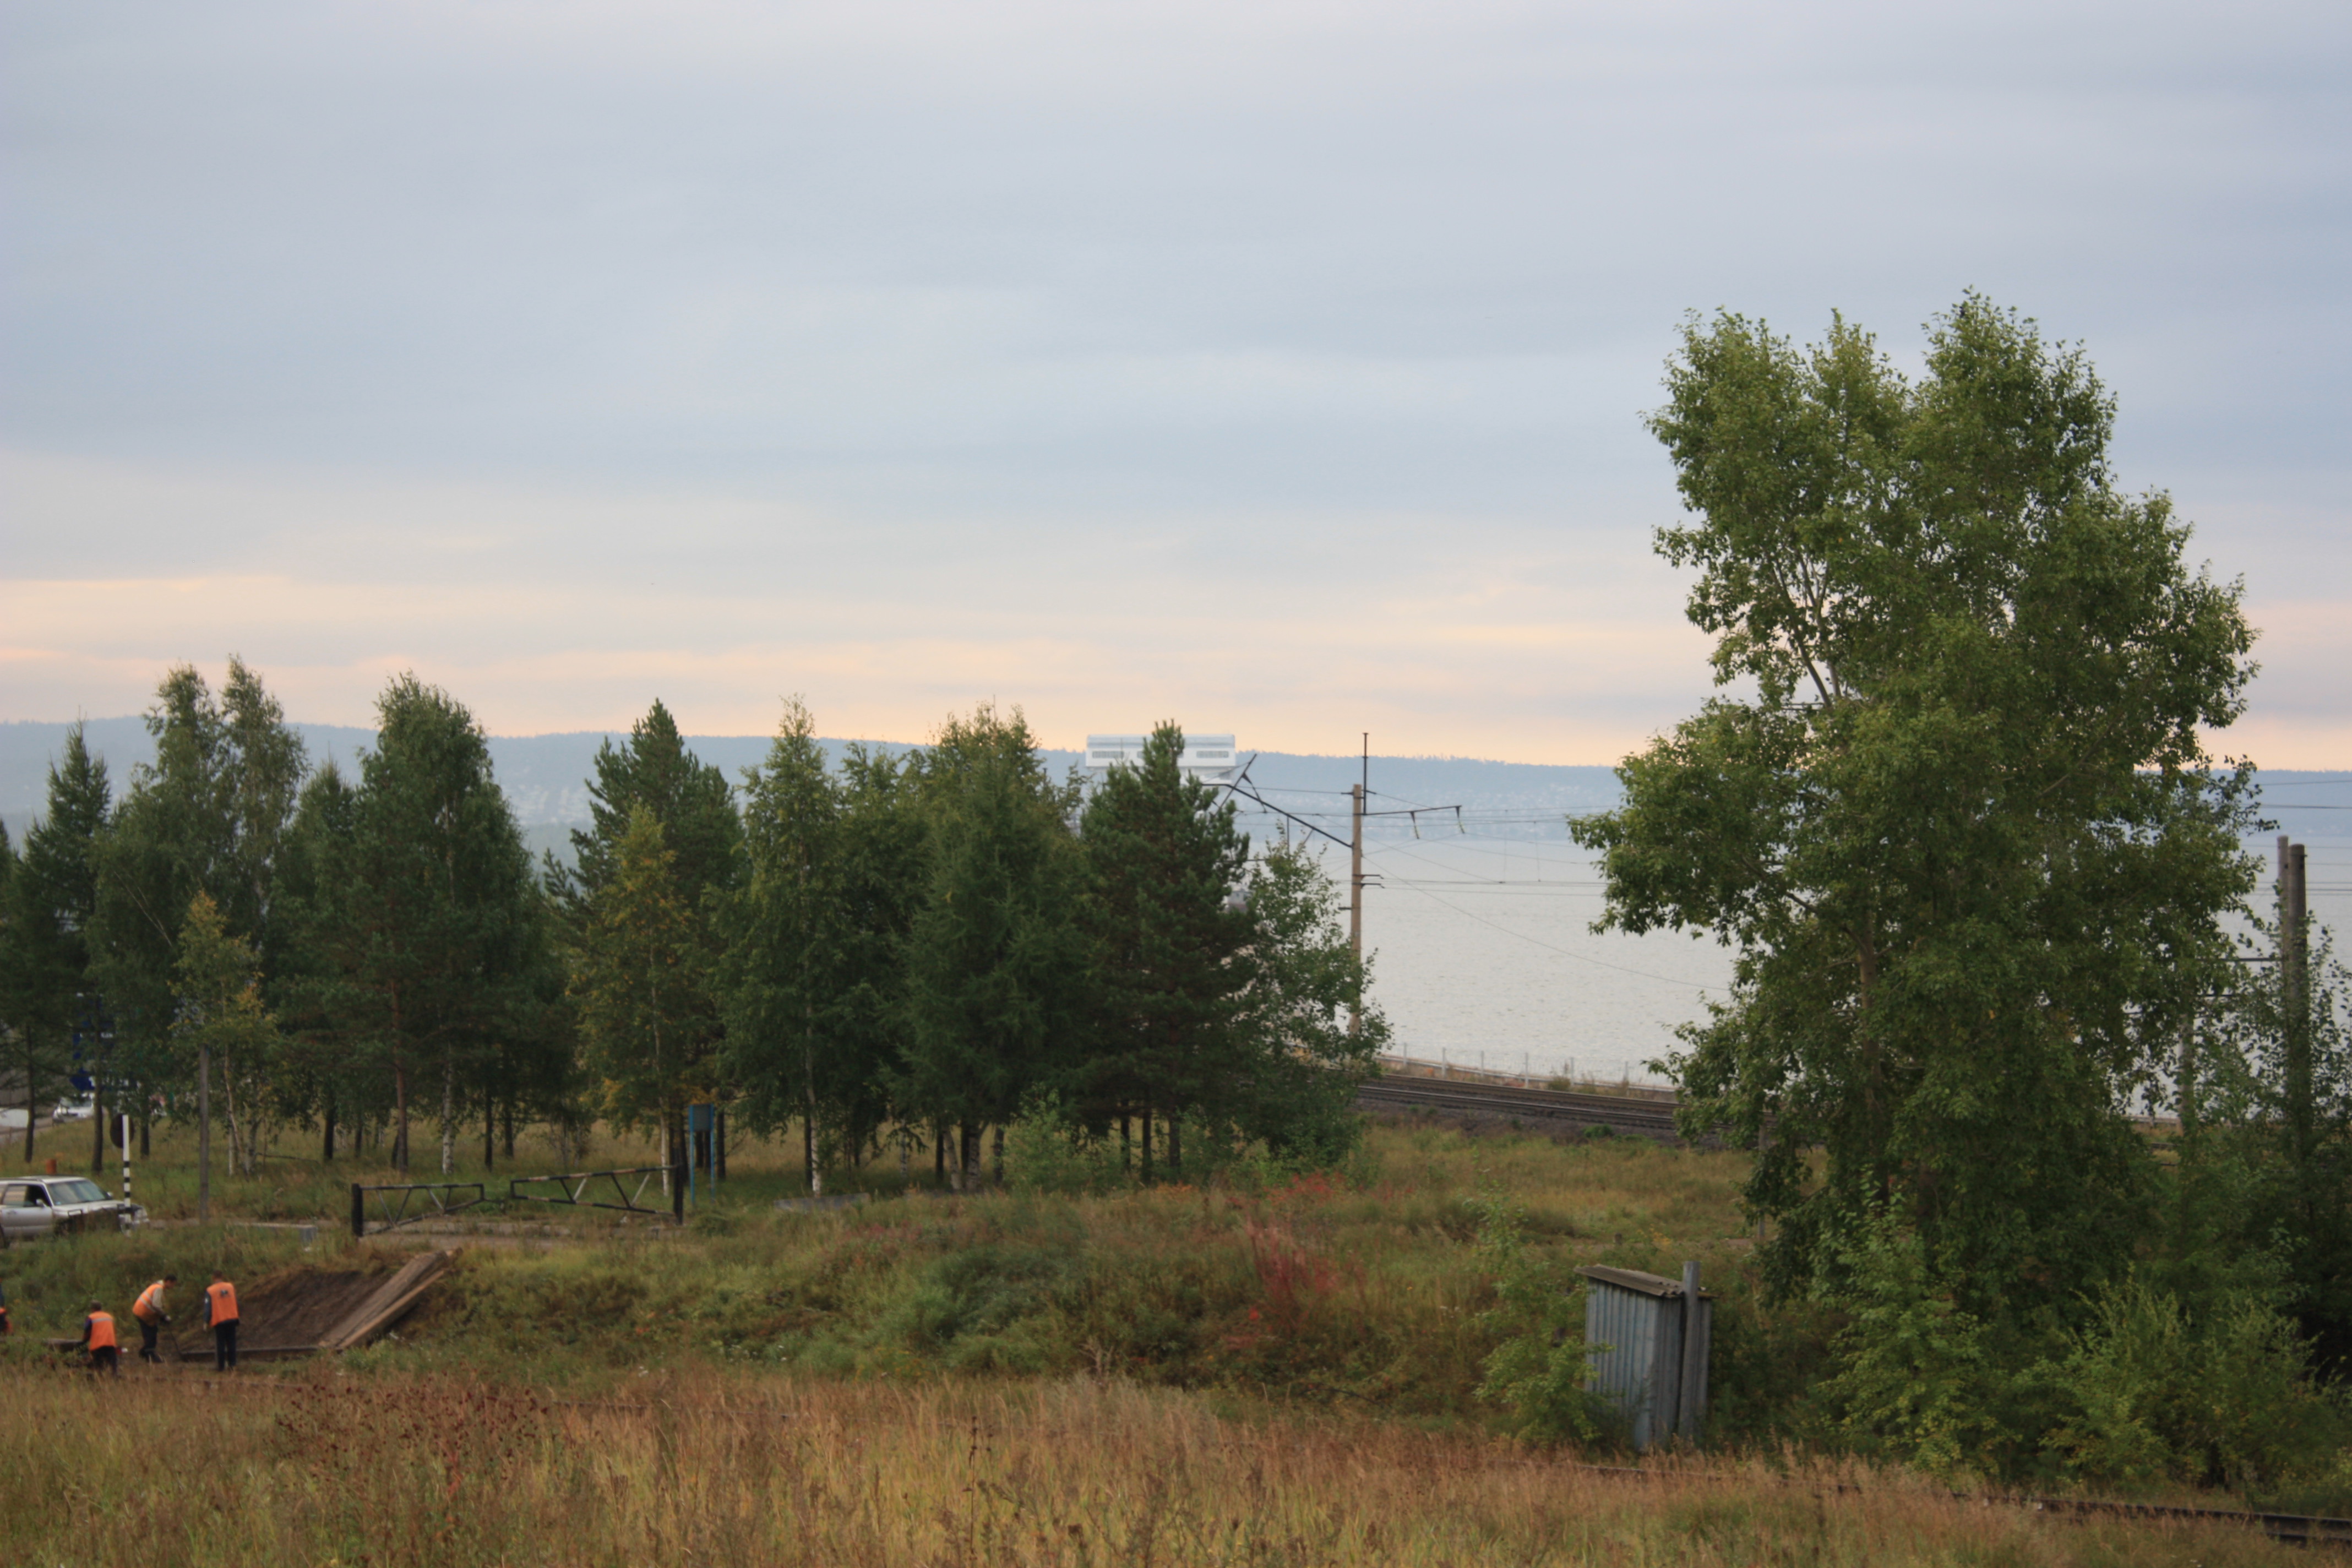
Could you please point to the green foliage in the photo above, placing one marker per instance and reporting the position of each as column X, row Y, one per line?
column 813, row 938
column 2147, row 1390
column 47, row 902
column 691, row 800
column 636, row 981
column 674, row 907
column 42, row 956
column 2221, row 1397
column 222, row 1022
column 1540, row 1366
column 996, row 965
column 429, row 921
column 1315, row 1034
column 965, row 1307
column 1920, row 1378
column 1173, row 962
column 2266, row 1155
column 1048, row 1150
column 208, row 816
column 1964, row 835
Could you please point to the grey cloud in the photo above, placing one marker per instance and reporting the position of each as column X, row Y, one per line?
column 908, row 286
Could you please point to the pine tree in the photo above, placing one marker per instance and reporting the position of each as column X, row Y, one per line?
column 1164, row 865
column 997, row 965
column 438, row 927
column 52, row 902
column 695, row 805
column 638, row 986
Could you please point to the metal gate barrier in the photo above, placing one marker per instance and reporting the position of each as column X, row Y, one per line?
column 572, row 1190
column 431, row 1200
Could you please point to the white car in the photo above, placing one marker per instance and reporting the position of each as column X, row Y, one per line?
column 80, row 1110
column 47, row 1205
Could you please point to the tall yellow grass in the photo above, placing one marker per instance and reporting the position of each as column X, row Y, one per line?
column 701, row 1467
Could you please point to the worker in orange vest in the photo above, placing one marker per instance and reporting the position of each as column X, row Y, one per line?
column 220, row 1311
column 148, row 1310
column 98, row 1338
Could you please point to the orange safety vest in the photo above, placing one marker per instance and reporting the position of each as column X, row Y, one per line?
column 150, row 1304
column 101, row 1331
column 224, row 1298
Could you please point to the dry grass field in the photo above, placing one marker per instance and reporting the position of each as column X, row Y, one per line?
column 1254, row 1369
column 708, row 1467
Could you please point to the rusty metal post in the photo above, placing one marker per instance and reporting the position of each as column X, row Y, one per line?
column 1692, row 1395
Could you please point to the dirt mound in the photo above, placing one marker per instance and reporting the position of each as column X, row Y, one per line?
column 302, row 1306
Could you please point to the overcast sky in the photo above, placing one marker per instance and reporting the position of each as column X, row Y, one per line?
column 1274, row 367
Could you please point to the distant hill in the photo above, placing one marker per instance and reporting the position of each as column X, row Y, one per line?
column 545, row 777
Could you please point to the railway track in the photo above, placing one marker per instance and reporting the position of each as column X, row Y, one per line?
column 1621, row 1113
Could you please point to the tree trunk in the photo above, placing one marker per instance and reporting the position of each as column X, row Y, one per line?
column 399, row 1091
column 505, row 1127
column 939, row 1154
column 970, row 1155
column 448, row 1114
column 1000, row 1153
column 1175, row 1145
column 203, row 1133
column 489, row 1131
column 98, row 1132
column 328, row 1146
column 1125, row 1147
column 808, row 1151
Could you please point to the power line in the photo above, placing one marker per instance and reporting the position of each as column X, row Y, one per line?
column 1564, row 953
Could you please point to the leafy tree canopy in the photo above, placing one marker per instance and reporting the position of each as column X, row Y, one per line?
column 1954, row 811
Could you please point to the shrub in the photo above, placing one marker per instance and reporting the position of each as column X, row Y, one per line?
column 1918, row 1380
column 1046, row 1151
column 2221, row 1398
column 1539, row 1369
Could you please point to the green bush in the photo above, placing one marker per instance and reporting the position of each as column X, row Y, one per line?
column 1918, row 1380
column 1046, row 1151
column 1539, row 1370
column 2224, row 1397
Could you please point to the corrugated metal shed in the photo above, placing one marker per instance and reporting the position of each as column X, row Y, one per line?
column 1649, row 1348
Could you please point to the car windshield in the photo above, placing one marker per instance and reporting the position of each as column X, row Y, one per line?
column 77, row 1192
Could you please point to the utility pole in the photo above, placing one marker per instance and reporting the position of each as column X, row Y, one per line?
column 2293, row 993
column 1360, row 804
column 1356, row 881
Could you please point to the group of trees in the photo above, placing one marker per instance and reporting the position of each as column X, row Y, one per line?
column 300, row 947
column 917, row 946
column 910, row 946
column 1988, row 891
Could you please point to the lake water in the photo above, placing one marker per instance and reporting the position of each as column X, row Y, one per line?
column 1481, row 945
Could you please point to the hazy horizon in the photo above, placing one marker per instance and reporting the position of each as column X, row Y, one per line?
column 1283, row 364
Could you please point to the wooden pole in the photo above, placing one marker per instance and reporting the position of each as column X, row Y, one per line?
column 2293, row 991
column 1356, row 901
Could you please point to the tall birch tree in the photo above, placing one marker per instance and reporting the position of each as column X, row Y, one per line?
column 1954, row 812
